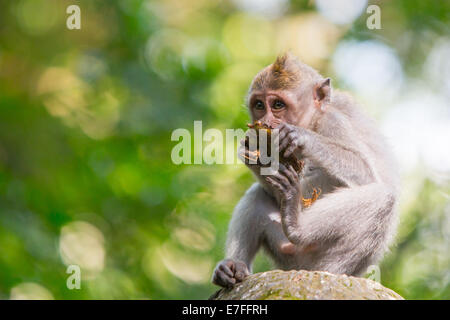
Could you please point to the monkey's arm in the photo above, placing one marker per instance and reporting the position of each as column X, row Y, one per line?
column 243, row 240
column 358, row 215
column 245, row 232
column 347, row 162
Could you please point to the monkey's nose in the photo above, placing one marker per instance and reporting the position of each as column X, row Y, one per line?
column 275, row 122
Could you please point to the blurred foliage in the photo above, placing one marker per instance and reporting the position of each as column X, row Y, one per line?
column 86, row 118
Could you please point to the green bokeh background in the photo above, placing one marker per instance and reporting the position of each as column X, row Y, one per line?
column 86, row 118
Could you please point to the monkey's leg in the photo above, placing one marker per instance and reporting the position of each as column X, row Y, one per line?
column 351, row 227
column 285, row 254
column 256, row 225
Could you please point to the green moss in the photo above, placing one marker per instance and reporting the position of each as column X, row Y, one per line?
column 303, row 285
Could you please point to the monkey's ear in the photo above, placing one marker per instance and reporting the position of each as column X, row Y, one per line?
column 322, row 94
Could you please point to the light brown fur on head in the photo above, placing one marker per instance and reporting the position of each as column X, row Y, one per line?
column 286, row 72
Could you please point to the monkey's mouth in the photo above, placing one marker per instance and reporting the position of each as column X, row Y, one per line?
column 260, row 126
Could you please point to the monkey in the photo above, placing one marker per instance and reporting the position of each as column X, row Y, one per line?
column 353, row 222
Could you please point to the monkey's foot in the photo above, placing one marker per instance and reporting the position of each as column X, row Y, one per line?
column 288, row 248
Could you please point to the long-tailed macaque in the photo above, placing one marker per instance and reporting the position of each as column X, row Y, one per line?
column 354, row 219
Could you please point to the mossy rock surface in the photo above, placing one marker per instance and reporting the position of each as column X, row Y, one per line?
column 305, row 285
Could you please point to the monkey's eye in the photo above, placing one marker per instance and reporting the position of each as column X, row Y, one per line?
column 278, row 104
column 259, row 105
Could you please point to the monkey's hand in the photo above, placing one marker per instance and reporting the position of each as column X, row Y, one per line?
column 229, row 272
column 247, row 156
column 286, row 183
column 291, row 138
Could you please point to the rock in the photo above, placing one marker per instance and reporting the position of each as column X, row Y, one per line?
column 305, row 285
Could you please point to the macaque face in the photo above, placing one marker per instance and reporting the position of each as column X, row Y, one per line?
column 274, row 106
